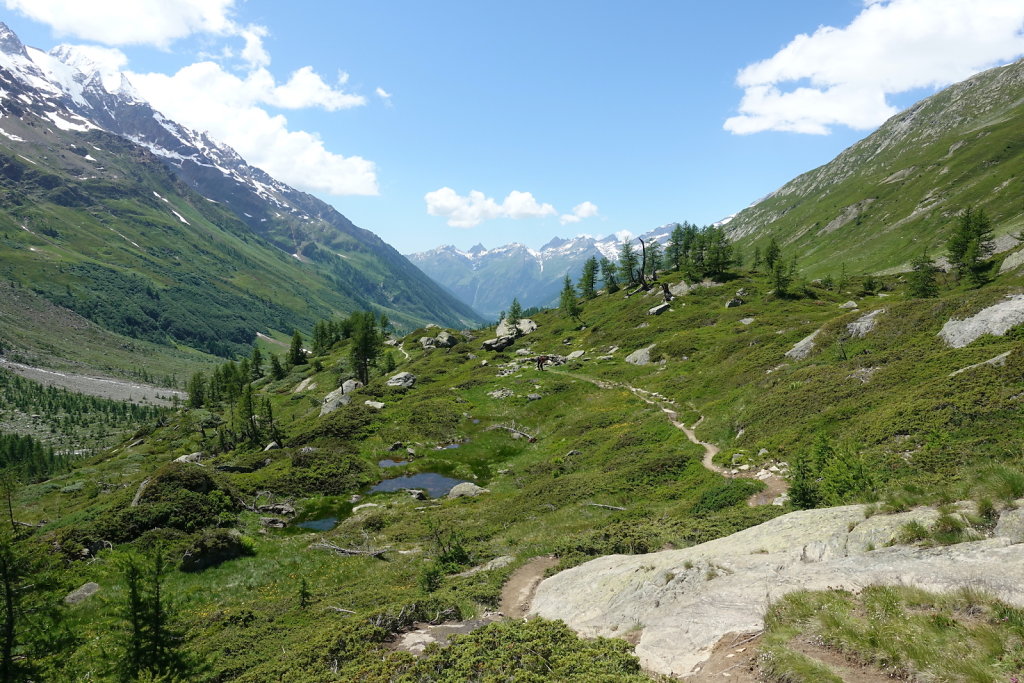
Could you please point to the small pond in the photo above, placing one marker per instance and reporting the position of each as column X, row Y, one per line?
column 436, row 485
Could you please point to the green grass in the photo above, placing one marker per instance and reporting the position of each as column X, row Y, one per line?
column 897, row 631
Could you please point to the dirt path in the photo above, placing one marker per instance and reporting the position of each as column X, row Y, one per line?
column 775, row 486
column 404, row 352
column 518, row 591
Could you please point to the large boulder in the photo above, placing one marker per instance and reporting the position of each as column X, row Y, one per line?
column 350, row 385
column 445, row 339
column 405, row 380
column 803, row 348
column 334, row 400
column 860, row 327
column 82, row 593
column 525, row 326
column 659, row 309
column 640, row 356
column 996, row 320
column 466, row 489
column 497, row 344
column 427, row 342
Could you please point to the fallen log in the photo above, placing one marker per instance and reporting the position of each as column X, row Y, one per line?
column 324, row 545
column 607, row 507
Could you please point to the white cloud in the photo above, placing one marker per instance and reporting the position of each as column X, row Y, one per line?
column 138, row 22
column 475, row 208
column 842, row 76
column 206, row 97
column 383, row 94
column 579, row 212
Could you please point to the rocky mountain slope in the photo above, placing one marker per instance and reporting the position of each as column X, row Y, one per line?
column 156, row 231
column 488, row 279
column 897, row 192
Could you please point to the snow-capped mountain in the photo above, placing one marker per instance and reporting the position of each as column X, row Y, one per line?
column 488, row 279
column 59, row 110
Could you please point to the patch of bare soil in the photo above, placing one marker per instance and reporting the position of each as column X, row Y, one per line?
column 734, row 658
column 849, row 671
column 518, row 591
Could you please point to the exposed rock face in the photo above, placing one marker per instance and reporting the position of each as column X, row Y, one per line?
column 734, row 302
column 575, row 354
column 191, row 457
column 350, row 385
column 427, row 342
column 498, row 344
column 403, row 379
column 688, row 599
column 82, row 593
column 445, row 340
column 1012, row 261
column 334, row 400
column 466, row 489
column 375, row 405
column 659, row 309
column 678, row 289
column 996, row 320
column 640, row 356
column 860, row 327
column 803, row 348
column 849, row 305
column 996, row 362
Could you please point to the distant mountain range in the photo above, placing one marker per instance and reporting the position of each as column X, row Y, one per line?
column 159, row 232
column 488, row 279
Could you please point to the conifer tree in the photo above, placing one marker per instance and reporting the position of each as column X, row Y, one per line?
column 654, row 259
column 781, row 278
column 609, row 275
column 674, row 250
column 628, row 261
column 256, row 364
column 366, row 344
column 515, row 312
column 196, row 389
column 588, row 279
column 567, row 303
column 772, row 254
column 296, row 356
column 756, row 264
column 971, row 245
column 276, row 370
column 921, row 280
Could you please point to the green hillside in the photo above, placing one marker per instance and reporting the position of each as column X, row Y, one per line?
column 897, row 192
column 118, row 240
column 580, row 460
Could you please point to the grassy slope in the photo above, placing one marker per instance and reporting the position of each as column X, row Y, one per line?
column 92, row 236
column 913, row 423
column 896, row 193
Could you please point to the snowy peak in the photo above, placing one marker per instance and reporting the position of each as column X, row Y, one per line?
column 10, row 43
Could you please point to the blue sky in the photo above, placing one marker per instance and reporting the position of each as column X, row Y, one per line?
column 635, row 114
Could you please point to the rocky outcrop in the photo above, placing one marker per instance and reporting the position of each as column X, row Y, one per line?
column 466, row 489
column 445, row 340
column 405, row 380
column 1014, row 260
column 523, row 327
column 686, row 600
column 640, row 356
column 82, row 593
column 860, row 327
column 659, row 309
column 334, row 400
column 995, row 320
column 803, row 348
column 497, row 344
column 350, row 385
